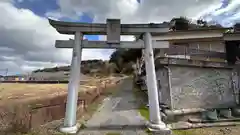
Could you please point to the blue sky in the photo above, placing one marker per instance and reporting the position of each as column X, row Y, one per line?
column 41, row 7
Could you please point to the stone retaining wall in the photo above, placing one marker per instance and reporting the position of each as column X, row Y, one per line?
column 22, row 117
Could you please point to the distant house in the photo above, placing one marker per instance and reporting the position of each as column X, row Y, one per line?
column 60, row 75
column 1, row 78
column 237, row 27
column 16, row 78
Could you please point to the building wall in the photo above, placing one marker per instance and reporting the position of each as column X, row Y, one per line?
column 182, row 50
column 208, row 46
column 195, row 87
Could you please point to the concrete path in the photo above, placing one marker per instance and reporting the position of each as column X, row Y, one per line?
column 118, row 114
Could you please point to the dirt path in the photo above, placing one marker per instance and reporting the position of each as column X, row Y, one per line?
column 118, row 114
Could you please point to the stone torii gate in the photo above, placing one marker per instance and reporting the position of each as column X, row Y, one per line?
column 113, row 29
column 154, row 36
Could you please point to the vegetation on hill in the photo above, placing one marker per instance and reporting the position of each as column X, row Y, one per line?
column 89, row 67
column 123, row 59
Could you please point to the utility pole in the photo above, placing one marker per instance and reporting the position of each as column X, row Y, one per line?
column 6, row 71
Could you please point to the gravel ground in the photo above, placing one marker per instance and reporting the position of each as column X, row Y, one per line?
column 118, row 115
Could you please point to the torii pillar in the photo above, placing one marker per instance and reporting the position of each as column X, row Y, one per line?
column 70, row 123
column 155, row 123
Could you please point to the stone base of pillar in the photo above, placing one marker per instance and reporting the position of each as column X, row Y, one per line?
column 159, row 128
column 69, row 130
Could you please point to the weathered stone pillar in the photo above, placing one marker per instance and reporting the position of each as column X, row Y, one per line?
column 70, row 124
column 155, row 123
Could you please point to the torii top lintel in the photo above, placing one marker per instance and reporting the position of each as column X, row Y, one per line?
column 159, row 31
column 101, row 28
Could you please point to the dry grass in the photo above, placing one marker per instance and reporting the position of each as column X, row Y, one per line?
column 10, row 92
column 18, row 97
column 52, row 128
column 18, row 92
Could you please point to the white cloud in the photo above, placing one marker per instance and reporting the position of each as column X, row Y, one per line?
column 27, row 42
column 232, row 5
column 210, row 9
column 6, row 0
column 224, row 14
column 27, row 37
column 131, row 11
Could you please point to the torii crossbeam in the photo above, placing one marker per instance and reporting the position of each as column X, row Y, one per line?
column 105, row 44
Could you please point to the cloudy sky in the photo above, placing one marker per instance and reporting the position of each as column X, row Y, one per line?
column 27, row 39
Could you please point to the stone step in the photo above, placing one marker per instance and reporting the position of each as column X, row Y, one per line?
column 186, row 125
column 194, row 120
